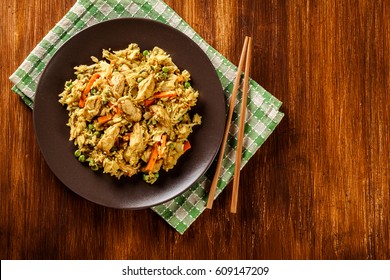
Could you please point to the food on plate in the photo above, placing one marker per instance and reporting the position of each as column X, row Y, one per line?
column 129, row 113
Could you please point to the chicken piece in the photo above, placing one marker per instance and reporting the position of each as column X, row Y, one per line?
column 137, row 144
column 161, row 115
column 92, row 107
column 131, row 79
column 108, row 139
column 126, row 105
column 118, row 84
column 145, row 88
column 136, row 138
column 108, row 70
column 161, row 57
column 169, row 84
column 124, row 68
column 133, row 52
column 104, row 67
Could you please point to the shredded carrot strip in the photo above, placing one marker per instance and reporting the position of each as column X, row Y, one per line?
column 187, row 146
column 117, row 110
column 148, row 102
column 87, row 89
column 104, row 119
column 82, row 101
column 153, row 158
column 165, row 94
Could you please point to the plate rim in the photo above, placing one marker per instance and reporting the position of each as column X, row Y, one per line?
column 41, row 81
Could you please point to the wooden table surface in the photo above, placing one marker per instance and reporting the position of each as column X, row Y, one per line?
column 317, row 189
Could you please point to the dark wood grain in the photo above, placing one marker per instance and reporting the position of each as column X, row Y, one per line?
column 317, row 189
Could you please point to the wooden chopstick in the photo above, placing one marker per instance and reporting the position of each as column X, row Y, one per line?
column 237, row 168
column 227, row 127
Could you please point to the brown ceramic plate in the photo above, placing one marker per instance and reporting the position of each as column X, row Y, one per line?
column 50, row 117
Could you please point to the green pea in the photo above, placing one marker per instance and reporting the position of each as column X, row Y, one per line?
column 93, row 91
column 93, row 165
column 94, row 168
column 81, row 158
column 77, row 153
column 187, row 84
column 165, row 69
column 91, row 126
column 96, row 133
column 145, row 53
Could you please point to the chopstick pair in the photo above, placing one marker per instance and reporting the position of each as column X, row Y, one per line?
column 246, row 55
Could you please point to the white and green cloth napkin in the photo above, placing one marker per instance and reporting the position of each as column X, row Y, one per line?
column 263, row 113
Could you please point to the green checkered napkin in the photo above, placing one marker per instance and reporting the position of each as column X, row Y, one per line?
column 262, row 116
